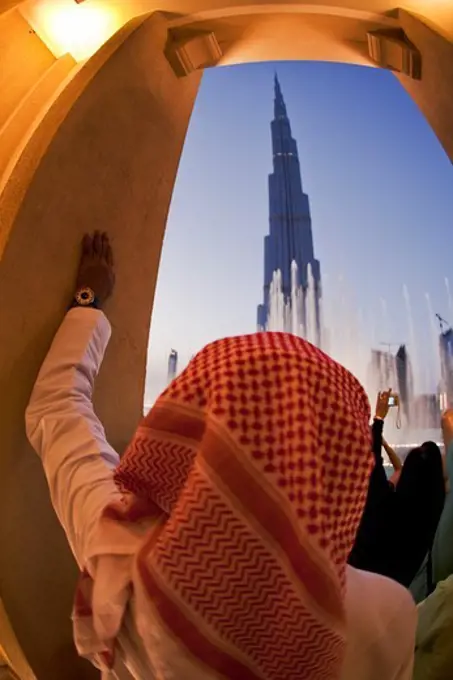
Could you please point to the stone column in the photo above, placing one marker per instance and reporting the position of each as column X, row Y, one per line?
column 104, row 157
column 434, row 92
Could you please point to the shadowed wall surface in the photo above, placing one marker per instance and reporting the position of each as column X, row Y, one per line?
column 111, row 164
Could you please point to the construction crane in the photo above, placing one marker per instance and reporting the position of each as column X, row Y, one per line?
column 390, row 345
column 442, row 323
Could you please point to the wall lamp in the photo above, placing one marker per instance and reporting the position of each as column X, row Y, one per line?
column 73, row 26
column 391, row 49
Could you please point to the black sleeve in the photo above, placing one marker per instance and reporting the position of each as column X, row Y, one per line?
column 379, row 484
column 376, row 434
column 366, row 551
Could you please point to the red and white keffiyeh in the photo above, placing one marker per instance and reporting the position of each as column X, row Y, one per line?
column 257, row 457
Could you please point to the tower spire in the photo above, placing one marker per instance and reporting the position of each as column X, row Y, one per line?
column 279, row 102
column 290, row 265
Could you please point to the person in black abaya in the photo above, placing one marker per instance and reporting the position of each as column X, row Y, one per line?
column 399, row 523
column 418, row 503
column 371, row 536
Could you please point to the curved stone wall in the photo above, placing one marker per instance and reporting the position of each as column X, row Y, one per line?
column 105, row 156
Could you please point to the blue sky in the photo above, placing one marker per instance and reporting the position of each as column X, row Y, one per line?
column 380, row 188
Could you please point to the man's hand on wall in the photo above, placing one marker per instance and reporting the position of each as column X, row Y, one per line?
column 96, row 266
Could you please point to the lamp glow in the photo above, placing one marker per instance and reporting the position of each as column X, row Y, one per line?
column 67, row 27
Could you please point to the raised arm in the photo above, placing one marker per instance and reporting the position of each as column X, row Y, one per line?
column 376, row 437
column 382, row 408
column 363, row 553
column 60, row 421
column 447, row 431
column 395, row 461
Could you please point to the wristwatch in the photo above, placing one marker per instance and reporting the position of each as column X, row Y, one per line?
column 85, row 297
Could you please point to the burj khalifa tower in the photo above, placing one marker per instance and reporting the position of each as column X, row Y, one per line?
column 292, row 275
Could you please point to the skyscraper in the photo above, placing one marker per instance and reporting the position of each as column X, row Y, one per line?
column 405, row 384
column 172, row 365
column 292, row 275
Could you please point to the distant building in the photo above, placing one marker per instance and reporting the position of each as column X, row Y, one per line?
column 405, row 381
column 446, row 367
column 382, row 372
column 393, row 371
column 172, row 365
column 425, row 411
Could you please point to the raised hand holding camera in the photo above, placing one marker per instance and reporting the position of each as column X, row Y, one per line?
column 382, row 404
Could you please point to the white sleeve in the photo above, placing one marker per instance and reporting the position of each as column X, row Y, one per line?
column 65, row 432
column 401, row 632
column 382, row 618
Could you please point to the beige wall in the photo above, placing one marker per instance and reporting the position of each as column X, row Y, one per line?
column 434, row 93
column 23, row 60
column 110, row 164
column 30, row 77
column 11, row 654
column 19, row 127
column 5, row 5
column 440, row 12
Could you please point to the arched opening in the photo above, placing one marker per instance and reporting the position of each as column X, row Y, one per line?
column 86, row 161
column 360, row 142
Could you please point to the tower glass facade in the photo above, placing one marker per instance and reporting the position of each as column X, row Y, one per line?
column 446, row 366
column 172, row 365
column 291, row 271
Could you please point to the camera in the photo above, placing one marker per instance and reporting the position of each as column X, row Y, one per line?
column 394, row 400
